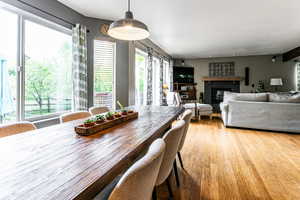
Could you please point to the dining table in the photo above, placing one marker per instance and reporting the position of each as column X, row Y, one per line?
column 56, row 163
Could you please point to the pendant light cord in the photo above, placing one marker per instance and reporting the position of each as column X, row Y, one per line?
column 128, row 5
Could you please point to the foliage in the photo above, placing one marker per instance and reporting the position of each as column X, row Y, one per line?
column 88, row 121
column 99, row 117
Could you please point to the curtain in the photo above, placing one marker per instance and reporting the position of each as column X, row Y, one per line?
column 298, row 76
column 79, row 68
column 149, row 99
column 161, row 80
column 171, row 63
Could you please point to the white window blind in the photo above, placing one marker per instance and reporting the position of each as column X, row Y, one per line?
column 104, row 64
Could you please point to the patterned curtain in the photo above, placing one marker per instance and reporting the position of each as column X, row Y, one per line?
column 161, row 80
column 171, row 64
column 149, row 77
column 298, row 76
column 79, row 68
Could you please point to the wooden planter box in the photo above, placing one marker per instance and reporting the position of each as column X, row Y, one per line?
column 86, row 131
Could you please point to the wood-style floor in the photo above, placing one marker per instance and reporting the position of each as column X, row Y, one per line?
column 233, row 164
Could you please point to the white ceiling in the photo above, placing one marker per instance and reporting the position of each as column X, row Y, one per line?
column 208, row 28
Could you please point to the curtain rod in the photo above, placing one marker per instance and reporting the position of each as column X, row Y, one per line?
column 168, row 57
column 48, row 13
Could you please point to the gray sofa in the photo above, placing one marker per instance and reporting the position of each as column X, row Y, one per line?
column 266, row 111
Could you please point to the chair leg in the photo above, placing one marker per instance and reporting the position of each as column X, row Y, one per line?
column 154, row 194
column 169, row 187
column 180, row 159
column 176, row 173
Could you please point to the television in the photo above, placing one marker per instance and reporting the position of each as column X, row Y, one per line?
column 183, row 75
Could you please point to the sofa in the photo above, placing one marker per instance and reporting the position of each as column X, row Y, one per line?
column 265, row 111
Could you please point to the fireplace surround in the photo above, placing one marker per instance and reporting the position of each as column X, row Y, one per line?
column 214, row 92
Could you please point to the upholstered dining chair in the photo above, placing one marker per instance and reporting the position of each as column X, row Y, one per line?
column 186, row 116
column 15, row 128
column 139, row 180
column 74, row 116
column 172, row 139
column 98, row 110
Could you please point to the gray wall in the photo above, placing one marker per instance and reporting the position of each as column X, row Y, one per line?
column 261, row 68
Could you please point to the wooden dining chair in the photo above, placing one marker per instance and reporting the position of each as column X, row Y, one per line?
column 74, row 116
column 172, row 139
column 15, row 128
column 98, row 110
column 139, row 180
column 187, row 116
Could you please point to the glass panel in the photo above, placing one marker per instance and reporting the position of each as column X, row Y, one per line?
column 156, row 82
column 104, row 61
column 8, row 63
column 140, row 77
column 48, row 70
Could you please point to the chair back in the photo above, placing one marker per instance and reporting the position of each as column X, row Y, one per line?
column 178, row 99
column 74, row 116
column 139, row 180
column 15, row 128
column 172, row 139
column 187, row 116
column 96, row 110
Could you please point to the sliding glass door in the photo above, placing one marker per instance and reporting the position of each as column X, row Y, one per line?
column 8, row 66
column 35, row 67
column 48, row 70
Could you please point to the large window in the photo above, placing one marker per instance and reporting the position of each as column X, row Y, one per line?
column 35, row 67
column 298, row 76
column 104, row 67
column 156, row 81
column 8, row 66
column 140, row 77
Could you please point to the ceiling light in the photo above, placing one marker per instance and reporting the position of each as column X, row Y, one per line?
column 128, row 28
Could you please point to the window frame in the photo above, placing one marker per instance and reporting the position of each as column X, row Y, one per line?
column 143, row 54
column 114, row 101
column 20, row 68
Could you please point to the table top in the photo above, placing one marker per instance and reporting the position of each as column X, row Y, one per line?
column 56, row 163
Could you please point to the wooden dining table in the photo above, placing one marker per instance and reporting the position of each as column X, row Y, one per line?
column 56, row 163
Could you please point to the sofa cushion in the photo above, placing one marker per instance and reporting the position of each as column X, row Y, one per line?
column 256, row 97
column 284, row 97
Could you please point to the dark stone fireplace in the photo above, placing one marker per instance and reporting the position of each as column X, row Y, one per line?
column 214, row 92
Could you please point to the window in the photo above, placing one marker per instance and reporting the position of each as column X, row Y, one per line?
column 48, row 70
column 140, row 77
column 298, row 76
column 156, row 81
column 8, row 66
column 104, row 67
column 36, row 71
column 166, row 73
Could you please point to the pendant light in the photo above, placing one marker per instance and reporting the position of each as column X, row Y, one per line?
column 128, row 28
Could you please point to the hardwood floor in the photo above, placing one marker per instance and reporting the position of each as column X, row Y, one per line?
column 232, row 164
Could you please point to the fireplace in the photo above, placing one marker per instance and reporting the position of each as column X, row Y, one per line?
column 214, row 92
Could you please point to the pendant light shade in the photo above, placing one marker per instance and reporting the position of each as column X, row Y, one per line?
column 128, row 28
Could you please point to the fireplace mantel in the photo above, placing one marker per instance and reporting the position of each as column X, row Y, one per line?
column 236, row 78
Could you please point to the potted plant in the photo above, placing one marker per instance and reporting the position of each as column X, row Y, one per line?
column 99, row 119
column 124, row 112
column 109, row 116
column 117, row 115
column 89, row 123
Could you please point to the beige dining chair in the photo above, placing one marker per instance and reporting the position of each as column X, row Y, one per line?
column 98, row 110
column 172, row 139
column 15, row 128
column 186, row 116
column 74, row 116
column 139, row 180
